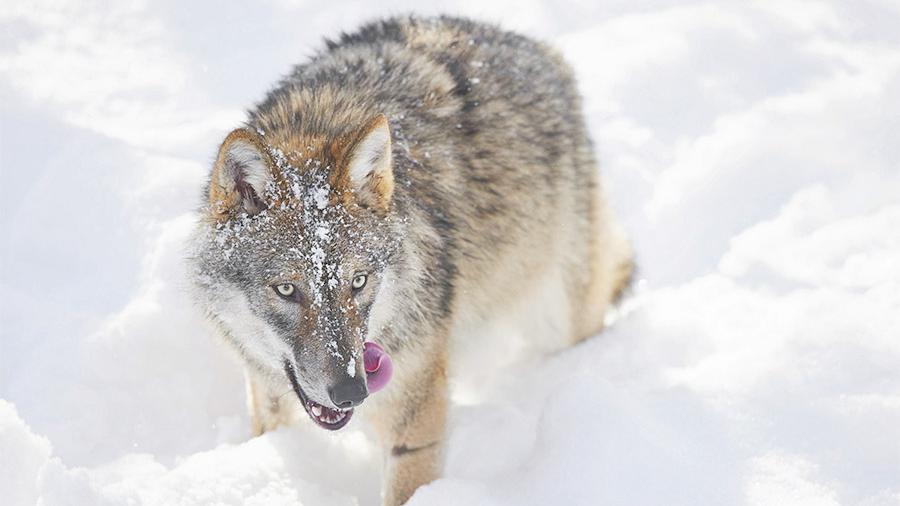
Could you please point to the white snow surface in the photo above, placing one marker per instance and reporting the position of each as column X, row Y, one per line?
column 750, row 148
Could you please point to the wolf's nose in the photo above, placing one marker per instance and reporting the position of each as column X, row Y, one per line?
column 348, row 392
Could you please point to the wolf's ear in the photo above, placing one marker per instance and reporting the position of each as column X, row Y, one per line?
column 369, row 174
column 239, row 178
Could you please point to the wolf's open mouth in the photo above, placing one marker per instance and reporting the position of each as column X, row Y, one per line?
column 325, row 417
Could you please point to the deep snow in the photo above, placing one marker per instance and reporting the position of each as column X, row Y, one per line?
column 750, row 148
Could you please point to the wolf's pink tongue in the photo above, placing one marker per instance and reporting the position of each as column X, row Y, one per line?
column 379, row 366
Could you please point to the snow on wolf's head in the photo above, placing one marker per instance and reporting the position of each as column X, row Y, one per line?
column 295, row 243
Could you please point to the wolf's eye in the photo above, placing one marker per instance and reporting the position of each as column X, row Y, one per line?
column 286, row 290
column 359, row 281
column 290, row 293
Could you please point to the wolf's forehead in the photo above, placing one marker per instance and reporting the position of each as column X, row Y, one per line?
column 299, row 218
column 306, row 229
column 304, row 192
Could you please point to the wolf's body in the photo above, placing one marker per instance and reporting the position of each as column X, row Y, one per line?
column 486, row 193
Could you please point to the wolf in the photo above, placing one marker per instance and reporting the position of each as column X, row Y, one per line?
column 405, row 184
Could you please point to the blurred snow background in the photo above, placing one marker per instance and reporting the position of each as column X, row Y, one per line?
column 751, row 148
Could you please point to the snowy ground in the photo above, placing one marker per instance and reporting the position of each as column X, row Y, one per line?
column 751, row 149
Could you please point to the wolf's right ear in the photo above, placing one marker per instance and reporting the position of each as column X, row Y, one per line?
column 239, row 178
column 368, row 172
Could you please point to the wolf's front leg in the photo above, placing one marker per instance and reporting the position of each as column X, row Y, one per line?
column 268, row 404
column 415, row 432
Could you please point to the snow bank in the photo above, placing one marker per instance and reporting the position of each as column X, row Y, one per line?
column 24, row 455
column 748, row 147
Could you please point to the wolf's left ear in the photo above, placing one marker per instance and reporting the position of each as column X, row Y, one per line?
column 369, row 174
column 239, row 178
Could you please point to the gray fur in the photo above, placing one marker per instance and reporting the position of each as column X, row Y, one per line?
column 494, row 181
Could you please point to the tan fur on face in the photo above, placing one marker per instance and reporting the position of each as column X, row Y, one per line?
column 335, row 153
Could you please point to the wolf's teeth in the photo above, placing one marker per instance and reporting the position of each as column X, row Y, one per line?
column 317, row 410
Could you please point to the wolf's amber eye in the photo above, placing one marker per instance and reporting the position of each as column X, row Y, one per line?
column 359, row 281
column 285, row 289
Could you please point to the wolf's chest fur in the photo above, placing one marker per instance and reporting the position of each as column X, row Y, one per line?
column 410, row 182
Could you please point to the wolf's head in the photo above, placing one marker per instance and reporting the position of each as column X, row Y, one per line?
column 296, row 244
